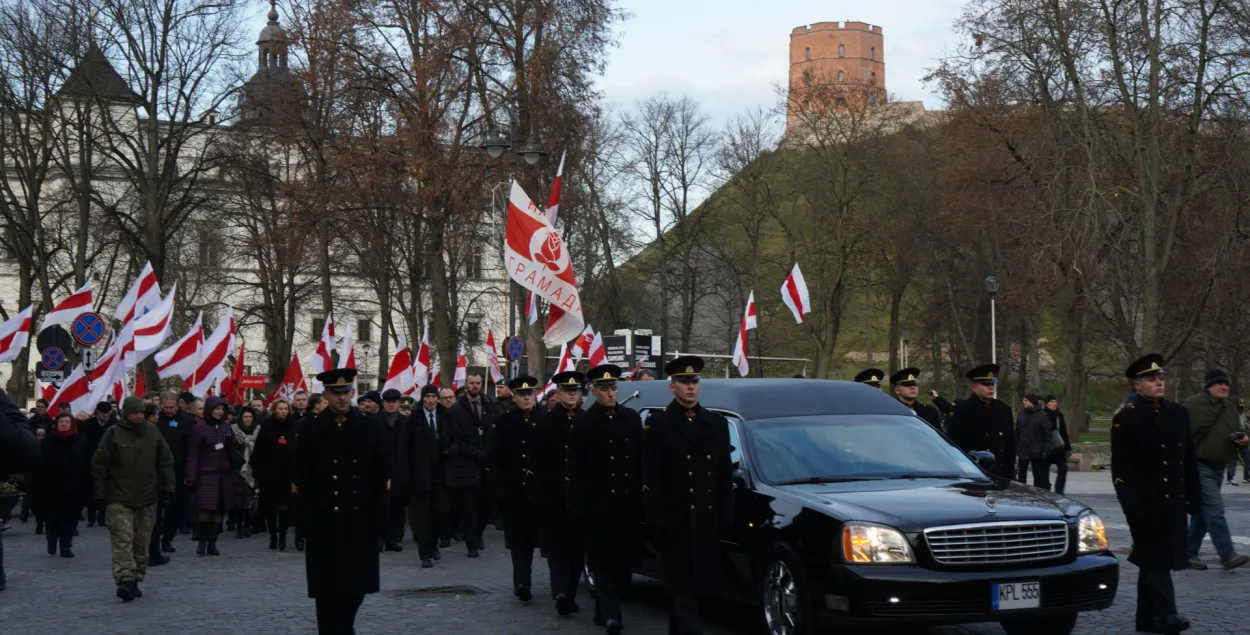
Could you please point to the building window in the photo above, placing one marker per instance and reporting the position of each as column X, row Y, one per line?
column 364, row 330
column 841, row 76
column 874, row 78
column 210, row 250
column 473, row 265
column 841, row 50
column 473, row 331
column 808, row 54
column 841, row 103
column 872, row 99
column 872, row 53
column 318, row 324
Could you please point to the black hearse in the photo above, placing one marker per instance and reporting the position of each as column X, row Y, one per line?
column 850, row 511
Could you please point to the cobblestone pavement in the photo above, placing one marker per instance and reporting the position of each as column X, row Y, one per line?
column 250, row 590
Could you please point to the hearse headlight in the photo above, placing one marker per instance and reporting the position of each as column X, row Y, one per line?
column 1091, row 533
column 866, row 543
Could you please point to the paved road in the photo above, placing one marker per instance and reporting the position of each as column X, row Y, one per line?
column 249, row 590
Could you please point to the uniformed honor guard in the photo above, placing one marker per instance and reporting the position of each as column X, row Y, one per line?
column 1155, row 474
column 903, row 385
column 511, row 461
column 871, row 376
column 343, row 486
column 984, row 423
column 560, row 539
column 687, row 493
column 605, row 483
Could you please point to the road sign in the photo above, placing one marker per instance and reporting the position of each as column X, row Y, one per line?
column 88, row 359
column 88, row 329
column 513, row 348
column 252, row 381
column 50, row 376
column 53, row 358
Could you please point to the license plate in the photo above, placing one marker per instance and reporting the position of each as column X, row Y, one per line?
column 1013, row 596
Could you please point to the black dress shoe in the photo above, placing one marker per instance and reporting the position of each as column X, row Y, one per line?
column 157, row 560
column 134, row 588
column 91, row 523
column 438, row 555
column 201, row 547
column 299, row 544
column 51, row 547
column 615, row 627
column 1169, row 625
column 473, row 553
column 444, row 543
column 67, row 553
column 564, row 604
column 168, row 547
column 184, row 530
column 124, row 592
column 522, row 592
column 573, row 607
column 394, row 546
column 273, row 542
column 426, row 563
column 597, row 619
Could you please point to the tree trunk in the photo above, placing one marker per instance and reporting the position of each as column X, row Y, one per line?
column 1074, row 398
column 1034, row 353
column 443, row 325
column 896, row 303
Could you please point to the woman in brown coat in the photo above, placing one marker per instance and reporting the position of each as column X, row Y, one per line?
column 209, row 473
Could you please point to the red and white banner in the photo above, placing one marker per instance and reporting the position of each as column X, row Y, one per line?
column 292, row 381
column 566, row 362
column 76, row 392
column 322, row 358
column 421, row 366
column 740, row 347
column 492, row 358
column 434, row 379
column 553, row 201
column 598, row 355
column 537, row 260
column 347, row 355
column 140, row 385
column 182, row 357
column 232, row 386
column 581, row 345
column 151, row 329
column 531, row 308
column 399, row 375
column 15, row 335
column 48, row 391
column 212, row 360
column 70, row 308
column 142, row 295
column 794, row 294
column 462, row 369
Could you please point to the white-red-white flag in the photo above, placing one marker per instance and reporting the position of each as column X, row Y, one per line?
column 794, row 294
column 76, row 392
column 213, row 353
column 70, row 308
column 347, row 355
column 740, row 347
column 292, row 381
column 598, row 355
column 323, row 358
column 581, row 345
column 492, row 357
column 553, row 201
column 434, row 380
column 531, row 308
column 422, row 374
column 144, row 294
column 566, row 362
column 151, row 329
column 399, row 375
column 537, row 260
column 462, row 369
column 15, row 335
column 182, row 357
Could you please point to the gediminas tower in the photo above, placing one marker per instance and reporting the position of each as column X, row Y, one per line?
column 838, row 53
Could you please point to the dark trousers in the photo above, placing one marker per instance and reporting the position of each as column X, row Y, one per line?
column 683, row 616
column 154, row 544
column 1156, row 598
column 95, row 512
column 423, row 519
column 1061, row 465
column 522, row 564
column 464, row 500
column 609, row 580
column 60, row 532
column 1041, row 473
column 277, row 522
column 336, row 615
column 566, row 572
column 1022, row 470
column 395, row 522
column 2, row 578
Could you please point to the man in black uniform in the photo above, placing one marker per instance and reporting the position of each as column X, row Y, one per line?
column 605, row 483
column 982, row 422
column 512, row 462
column 688, row 493
column 560, row 539
column 903, row 385
column 394, row 425
column 871, row 376
column 1155, row 474
column 343, row 486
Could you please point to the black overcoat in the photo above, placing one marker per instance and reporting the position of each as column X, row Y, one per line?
column 343, row 499
column 688, row 494
column 420, row 453
column 555, row 529
column 463, row 454
column 63, row 479
column 273, row 461
column 1155, row 475
column 512, row 467
column 988, row 426
column 605, row 482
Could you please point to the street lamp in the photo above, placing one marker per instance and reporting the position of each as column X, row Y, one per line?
column 991, row 285
column 906, row 341
column 495, row 144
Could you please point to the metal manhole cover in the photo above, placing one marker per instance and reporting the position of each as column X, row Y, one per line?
column 440, row 590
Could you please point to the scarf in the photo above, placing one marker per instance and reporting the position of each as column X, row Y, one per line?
column 56, row 431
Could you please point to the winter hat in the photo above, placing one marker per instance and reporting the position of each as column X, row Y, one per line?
column 429, row 389
column 1034, row 399
column 1216, row 376
column 1049, row 398
column 132, row 405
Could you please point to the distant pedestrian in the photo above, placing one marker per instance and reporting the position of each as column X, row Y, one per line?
column 273, row 462
column 1035, row 442
column 1154, row 473
column 175, row 425
column 1243, row 452
column 421, row 476
column 64, row 483
column 1059, row 427
column 133, row 470
column 245, row 430
column 1215, row 426
column 93, row 428
column 210, row 476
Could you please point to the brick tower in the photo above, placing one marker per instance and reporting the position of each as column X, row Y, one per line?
column 838, row 53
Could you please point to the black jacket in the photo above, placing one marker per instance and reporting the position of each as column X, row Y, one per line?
column 926, row 412
column 420, row 466
column 343, row 500
column 1155, row 474
column 1059, row 423
column 273, row 461
column 462, row 446
column 605, row 480
column 63, row 478
column 19, row 449
column 94, row 428
column 490, row 412
column 177, row 433
column 41, row 421
column 988, row 426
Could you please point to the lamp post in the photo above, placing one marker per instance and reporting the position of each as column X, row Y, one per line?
column 495, row 144
column 906, row 341
column 991, row 285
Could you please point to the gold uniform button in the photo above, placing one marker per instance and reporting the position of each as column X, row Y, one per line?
column 692, row 508
column 1165, row 479
column 522, row 456
column 335, row 477
column 1165, row 462
column 611, row 458
column 709, row 457
column 336, row 508
column 613, row 491
column 688, row 457
column 690, row 473
column 336, row 493
column 336, row 461
column 709, row 508
column 692, row 490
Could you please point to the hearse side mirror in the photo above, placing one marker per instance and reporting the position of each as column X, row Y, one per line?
column 984, row 459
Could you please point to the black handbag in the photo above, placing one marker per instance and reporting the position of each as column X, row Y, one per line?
column 237, row 459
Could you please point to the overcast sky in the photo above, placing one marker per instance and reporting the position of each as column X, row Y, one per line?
column 731, row 55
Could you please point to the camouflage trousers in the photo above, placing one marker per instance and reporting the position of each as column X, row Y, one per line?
column 130, row 529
